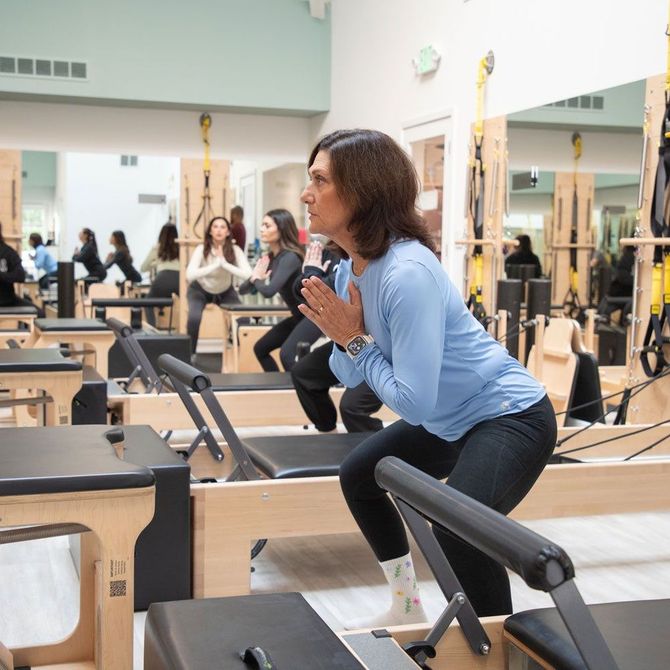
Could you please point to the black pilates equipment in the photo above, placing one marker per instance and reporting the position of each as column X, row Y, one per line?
column 278, row 457
column 99, row 308
column 572, row 636
column 146, row 372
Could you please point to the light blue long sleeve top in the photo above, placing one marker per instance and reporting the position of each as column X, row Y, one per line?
column 44, row 260
column 432, row 362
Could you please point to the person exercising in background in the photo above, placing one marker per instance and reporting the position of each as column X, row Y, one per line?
column 275, row 272
column 11, row 272
column 122, row 258
column 162, row 262
column 468, row 410
column 237, row 228
column 210, row 271
column 88, row 255
column 312, row 376
column 524, row 255
column 43, row 260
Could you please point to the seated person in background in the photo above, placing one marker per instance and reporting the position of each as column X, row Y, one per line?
column 121, row 257
column 238, row 231
column 210, row 271
column 275, row 273
column 621, row 285
column 524, row 255
column 43, row 260
column 11, row 272
column 163, row 264
column 312, row 376
column 88, row 255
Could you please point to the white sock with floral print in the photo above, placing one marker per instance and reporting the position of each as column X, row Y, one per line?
column 406, row 606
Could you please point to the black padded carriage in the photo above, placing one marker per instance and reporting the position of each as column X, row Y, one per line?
column 99, row 308
column 19, row 310
column 211, row 633
column 36, row 360
column 69, row 325
column 636, row 633
column 65, row 460
column 276, row 457
column 250, row 381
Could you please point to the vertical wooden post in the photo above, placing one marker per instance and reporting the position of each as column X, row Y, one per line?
column 653, row 401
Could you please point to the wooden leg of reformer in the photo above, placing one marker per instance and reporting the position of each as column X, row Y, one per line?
column 104, row 633
column 62, row 387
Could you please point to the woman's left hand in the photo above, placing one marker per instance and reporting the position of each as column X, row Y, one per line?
column 339, row 320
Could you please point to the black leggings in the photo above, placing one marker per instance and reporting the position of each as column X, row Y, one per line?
column 198, row 298
column 312, row 378
column 285, row 334
column 496, row 462
column 164, row 285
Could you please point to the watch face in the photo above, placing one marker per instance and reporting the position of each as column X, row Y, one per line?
column 356, row 345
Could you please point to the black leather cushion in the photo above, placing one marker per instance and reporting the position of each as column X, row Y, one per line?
column 251, row 381
column 636, row 632
column 131, row 302
column 210, row 633
column 302, row 455
column 35, row 360
column 254, row 308
column 19, row 309
column 70, row 324
column 63, row 460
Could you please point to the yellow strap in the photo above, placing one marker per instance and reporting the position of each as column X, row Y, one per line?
column 205, row 126
column 479, row 270
column 666, row 279
column 574, row 280
column 482, row 73
column 656, row 276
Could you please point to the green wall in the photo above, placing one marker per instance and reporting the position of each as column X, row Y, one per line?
column 39, row 168
column 250, row 55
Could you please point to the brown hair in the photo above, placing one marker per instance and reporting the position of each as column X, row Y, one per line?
column 168, row 249
column 377, row 179
column 119, row 242
column 228, row 251
column 236, row 215
column 288, row 231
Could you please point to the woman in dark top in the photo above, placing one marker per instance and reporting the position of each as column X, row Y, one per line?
column 274, row 273
column 88, row 255
column 524, row 256
column 121, row 257
column 11, row 272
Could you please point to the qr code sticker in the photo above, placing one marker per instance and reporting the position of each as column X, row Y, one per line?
column 117, row 588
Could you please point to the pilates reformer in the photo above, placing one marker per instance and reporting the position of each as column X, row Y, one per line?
column 244, row 632
column 283, row 475
column 99, row 308
column 162, row 409
column 276, row 457
column 62, row 481
column 90, row 336
column 45, row 369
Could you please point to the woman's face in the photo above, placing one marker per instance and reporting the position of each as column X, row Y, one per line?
column 219, row 232
column 269, row 230
column 112, row 240
column 328, row 213
column 82, row 237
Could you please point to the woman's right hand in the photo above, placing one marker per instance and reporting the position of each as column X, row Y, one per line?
column 260, row 271
column 314, row 257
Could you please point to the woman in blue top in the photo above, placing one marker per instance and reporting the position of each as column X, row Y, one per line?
column 43, row 260
column 468, row 410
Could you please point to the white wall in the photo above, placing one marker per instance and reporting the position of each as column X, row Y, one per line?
column 96, row 192
column 55, row 127
column 544, row 52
